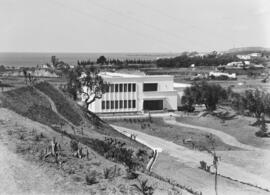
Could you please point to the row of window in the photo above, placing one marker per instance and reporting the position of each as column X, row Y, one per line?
column 115, row 104
column 122, row 87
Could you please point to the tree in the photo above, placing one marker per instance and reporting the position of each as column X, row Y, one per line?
column 87, row 83
column 101, row 60
column 212, row 150
column 257, row 102
column 25, row 75
column 204, row 93
column 54, row 61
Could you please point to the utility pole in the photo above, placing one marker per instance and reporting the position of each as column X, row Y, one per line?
column 215, row 159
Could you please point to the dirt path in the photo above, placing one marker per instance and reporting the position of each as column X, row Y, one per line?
column 18, row 176
column 54, row 109
column 191, row 158
column 226, row 138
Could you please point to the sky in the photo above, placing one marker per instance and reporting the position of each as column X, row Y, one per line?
column 132, row 25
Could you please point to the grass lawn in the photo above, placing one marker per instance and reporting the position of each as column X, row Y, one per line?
column 29, row 103
column 64, row 107
column 238, row 127
column 171, row 133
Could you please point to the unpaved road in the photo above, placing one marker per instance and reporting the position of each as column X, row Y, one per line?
column 191, row 158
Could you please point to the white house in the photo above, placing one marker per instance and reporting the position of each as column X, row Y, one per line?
column 136, row 93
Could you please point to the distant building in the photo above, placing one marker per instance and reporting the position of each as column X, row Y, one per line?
column 137, row 93
column 222, row 74
column 255, row 55
column 244, row 57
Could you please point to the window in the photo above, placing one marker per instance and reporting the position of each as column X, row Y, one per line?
column 150, row 86
column 129, row 87
column 121, row 104
column 103, row 105
column 112, row 87
column 121, row 87
column 116, row 87
column 112, row 104
column 125, row 103
column 133, row 103
column 133, row 87
column 125, row 87
column 107, row 89
column 116, row 104
column 107, row 104
column 129, row 103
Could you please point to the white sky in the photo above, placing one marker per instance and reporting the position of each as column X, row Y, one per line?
column 132, row 25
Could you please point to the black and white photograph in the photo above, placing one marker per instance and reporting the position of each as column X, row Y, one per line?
column 135, row 97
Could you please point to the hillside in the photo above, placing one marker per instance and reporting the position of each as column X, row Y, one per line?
column 31, row 118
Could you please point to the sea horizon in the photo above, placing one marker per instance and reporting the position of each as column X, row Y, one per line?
column 32, row 59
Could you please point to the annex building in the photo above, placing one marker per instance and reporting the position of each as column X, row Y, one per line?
column 136, row 93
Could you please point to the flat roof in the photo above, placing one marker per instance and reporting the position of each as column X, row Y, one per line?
column 127, row 75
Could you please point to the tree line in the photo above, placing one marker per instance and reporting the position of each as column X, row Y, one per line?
column 102, row 60
column 185, row 60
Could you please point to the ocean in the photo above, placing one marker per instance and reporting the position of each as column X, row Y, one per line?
column 34, row 59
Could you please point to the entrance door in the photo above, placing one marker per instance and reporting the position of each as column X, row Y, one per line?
column 153, row 104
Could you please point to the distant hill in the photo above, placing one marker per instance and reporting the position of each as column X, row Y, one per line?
column 247, row 50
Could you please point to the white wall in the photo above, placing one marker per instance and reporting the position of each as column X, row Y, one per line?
column 165, row 92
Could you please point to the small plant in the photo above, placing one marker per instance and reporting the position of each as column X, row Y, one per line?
column 131, row 174
column 263, row 129
column 91, row 178
column 71, row 172
column 21, row 137
column 41, row 135
column 37, row 138
column 74, row 145
column 144, row 188
column 96, row 163
column 107, row 172
column 9, row 132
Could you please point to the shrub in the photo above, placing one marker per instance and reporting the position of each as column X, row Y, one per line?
column 91, row 178
column 261, row 134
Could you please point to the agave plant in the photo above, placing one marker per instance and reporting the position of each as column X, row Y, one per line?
column 144, row 188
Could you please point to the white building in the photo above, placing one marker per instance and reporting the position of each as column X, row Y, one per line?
column 219, row 74
column 136, row 93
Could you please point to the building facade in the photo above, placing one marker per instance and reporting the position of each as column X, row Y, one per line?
column 136, row 93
